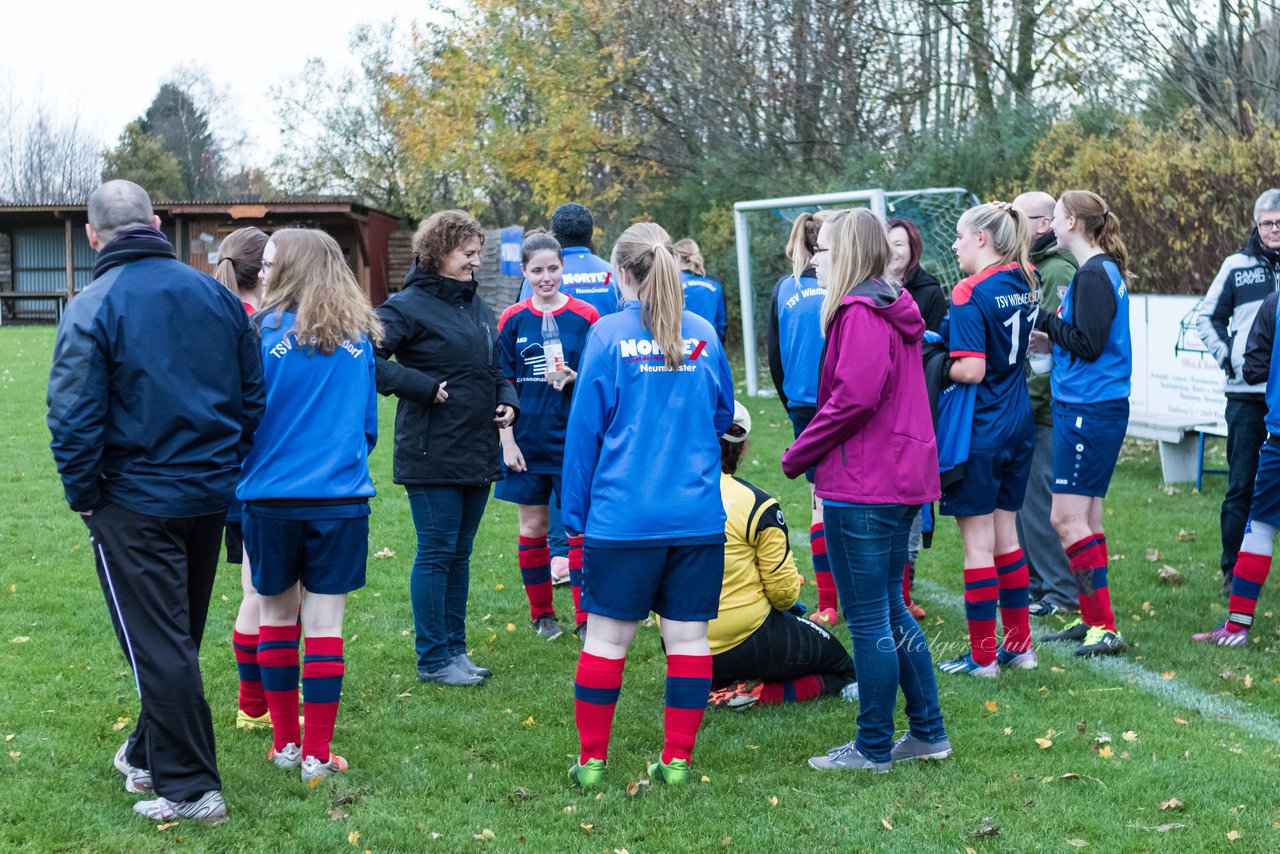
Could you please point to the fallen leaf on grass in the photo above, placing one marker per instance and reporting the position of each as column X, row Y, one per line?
column 1180, row 722
column 1077, row 843
column 337, row 814
column 773, row 800
column 511, row 627
column 706, row 779
column 990, row 706
column 9, row 737
column 633, row 788
column 528, row 721
column 1081, row 726
column 1185, row 536
column 1153, row 555
column 484, row 835
column 1069, row 776
column 1044, row 743
column 1171, row 576
column 354, row 837
column 726, row 842
column 383, row 554
column 14, row 754
column 1168, row 674
column 499, row 586
column 987, row 829
column 886, row 824
column 1233, row 835
column 587, row 827
column 20, row 639
column 1248, row 681
column 1105, row 751
column 1056, row 670
column 1129, row 735
column 569, row 808
column 1171, row 804
column 166, row 825
column 1008, row 730
column 120, row 724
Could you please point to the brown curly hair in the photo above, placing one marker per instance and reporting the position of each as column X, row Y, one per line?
column 440, row 234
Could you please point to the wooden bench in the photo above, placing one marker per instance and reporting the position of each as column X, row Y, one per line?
column 59, row 299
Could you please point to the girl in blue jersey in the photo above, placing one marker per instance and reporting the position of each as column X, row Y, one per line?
column 795, row 356
column 992, row 315
column 703, row 294
column 642, row 483
column 306, row 486
column 533, row 449
column 1092, row 363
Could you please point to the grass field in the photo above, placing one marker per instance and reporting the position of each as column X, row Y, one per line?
column 484, row 769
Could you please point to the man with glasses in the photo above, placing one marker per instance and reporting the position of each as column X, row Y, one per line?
column 1223, row 320
column 1053, row 587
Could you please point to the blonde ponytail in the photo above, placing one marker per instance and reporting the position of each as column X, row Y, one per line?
column 644, row 250
column 1010, row 234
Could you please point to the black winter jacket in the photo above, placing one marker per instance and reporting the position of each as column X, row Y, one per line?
column 438, row 330
column 932, row 302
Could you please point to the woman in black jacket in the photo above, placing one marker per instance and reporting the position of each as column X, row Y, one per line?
column 453, row 398
column 904, row 268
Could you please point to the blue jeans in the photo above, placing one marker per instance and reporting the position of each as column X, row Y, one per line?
column 867, row 548
column 446, row 519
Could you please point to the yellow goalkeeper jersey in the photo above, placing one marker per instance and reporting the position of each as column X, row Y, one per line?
column 759, row 570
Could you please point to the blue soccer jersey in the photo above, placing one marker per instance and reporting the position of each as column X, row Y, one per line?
column 704, row 296
column 992, row 315
column 1076, row 380
column 544, row 412
column 795, row 339
column 587, row 277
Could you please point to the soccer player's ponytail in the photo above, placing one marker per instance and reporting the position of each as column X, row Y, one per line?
column 645, row 252
column 240, row 259
column 1010, row 234
column 690, row 256
column 1099, row 224
column 804, row 241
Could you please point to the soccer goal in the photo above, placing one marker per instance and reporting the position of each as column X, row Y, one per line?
column 761, row 243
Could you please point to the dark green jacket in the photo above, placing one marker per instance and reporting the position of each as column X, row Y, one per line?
column 1057, row 267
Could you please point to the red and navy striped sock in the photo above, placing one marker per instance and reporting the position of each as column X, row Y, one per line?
column 278, row 664
column 1087, row 560
column 535, row 572
column 795, row 691
column 688, row 689
column 595, row 696
column 1015, row 598
column 252, row 702
column 1246, row 585
column 322, row 672
column 1101, row 539
column 981, row 592
column 575, row 578
column 827, row 596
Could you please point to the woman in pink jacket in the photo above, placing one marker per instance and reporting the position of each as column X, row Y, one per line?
column 873, row 444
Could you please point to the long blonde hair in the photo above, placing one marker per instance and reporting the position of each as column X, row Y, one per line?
column 1010, row 234
column 311, row 279
column 644, row 250
column 859, row 251
column 240, row 259
column 689, row 255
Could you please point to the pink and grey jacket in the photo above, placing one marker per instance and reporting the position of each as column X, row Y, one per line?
column 872, row 437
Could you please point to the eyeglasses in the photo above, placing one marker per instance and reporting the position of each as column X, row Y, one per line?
column 1041, row 216
column 1269, row 225
column 821, row 249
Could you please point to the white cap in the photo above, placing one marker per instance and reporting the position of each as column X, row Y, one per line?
column 741, row 418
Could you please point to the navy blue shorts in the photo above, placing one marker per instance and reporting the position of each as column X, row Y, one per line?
column 327, row 555
column 1266, row 488
column 994, row 479
column 1086, row 444
column 627, row 580
column 800, row 418
column 527, row 488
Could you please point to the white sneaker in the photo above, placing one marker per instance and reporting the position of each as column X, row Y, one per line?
column 136, row 780
column 289, row 756
column 313, row 770
column 208, row 808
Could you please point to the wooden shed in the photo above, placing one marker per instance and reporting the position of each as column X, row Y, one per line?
column 45, row 256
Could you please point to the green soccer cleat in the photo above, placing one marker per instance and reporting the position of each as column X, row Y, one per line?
column 674, row 773
column 1073, row 631
column 1100, row 641
column 588, row 774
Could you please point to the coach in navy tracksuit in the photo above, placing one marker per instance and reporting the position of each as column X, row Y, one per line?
column 155, row 392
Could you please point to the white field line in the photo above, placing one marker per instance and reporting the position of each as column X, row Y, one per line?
column 1225, row 711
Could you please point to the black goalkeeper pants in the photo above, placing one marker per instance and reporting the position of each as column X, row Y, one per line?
column 783, row 649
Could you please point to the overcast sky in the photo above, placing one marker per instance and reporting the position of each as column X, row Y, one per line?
column 105, row 60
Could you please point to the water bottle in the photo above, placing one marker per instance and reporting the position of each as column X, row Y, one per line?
column 552, row 349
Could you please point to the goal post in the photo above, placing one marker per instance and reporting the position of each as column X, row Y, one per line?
column 934, row 210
